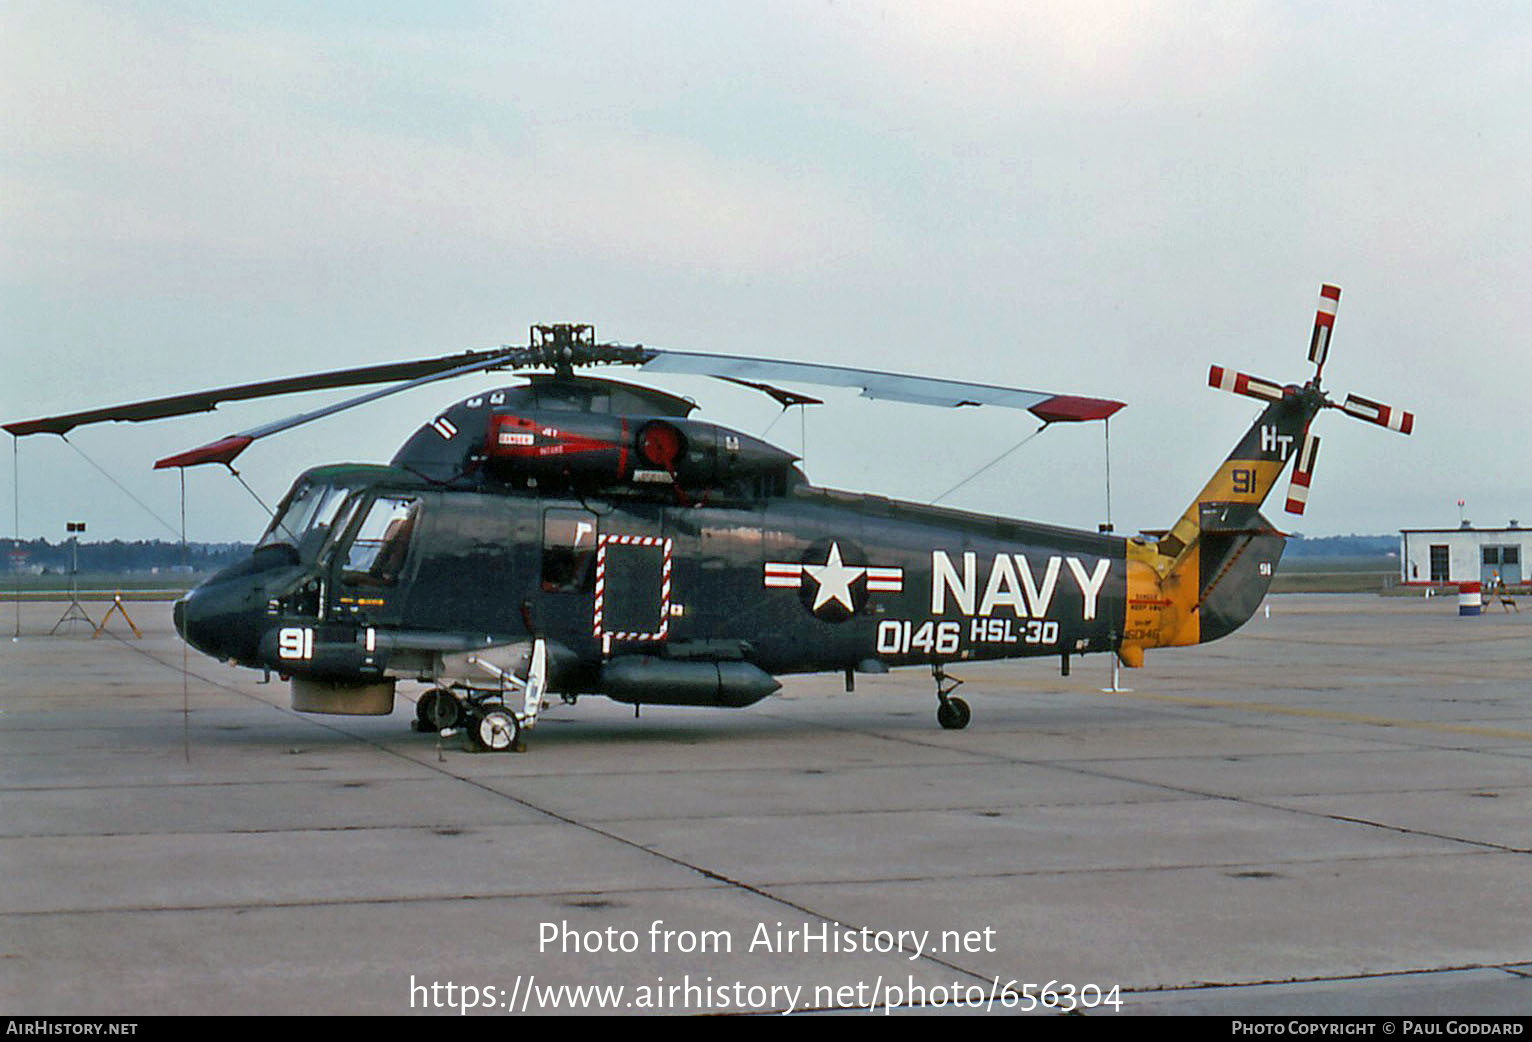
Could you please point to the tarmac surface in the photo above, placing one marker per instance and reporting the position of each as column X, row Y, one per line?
column 1328, row 812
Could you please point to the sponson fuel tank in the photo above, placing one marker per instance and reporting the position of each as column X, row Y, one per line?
column 655, row 681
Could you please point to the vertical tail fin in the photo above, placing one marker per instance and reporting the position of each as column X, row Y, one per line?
column 1237, row 489
column 1208, row 574
column 1204, row 577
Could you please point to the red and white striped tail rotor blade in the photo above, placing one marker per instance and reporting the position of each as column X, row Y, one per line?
column 1376, row 412
column 1243, row 383
column 1324, row 323
column 1303, row 475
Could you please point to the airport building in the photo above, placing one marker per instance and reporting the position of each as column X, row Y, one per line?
column 1464, row 554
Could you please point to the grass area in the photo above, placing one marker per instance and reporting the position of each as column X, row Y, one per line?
column 1370, row 565
column 1336, row 575
column 101, row 586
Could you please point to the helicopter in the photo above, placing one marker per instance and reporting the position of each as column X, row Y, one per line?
column 577, row 535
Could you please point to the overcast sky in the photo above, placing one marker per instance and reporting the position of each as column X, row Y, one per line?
column 1088, row 198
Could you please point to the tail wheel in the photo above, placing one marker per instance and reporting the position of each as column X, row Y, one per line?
column 953, row 714
column 496, row 731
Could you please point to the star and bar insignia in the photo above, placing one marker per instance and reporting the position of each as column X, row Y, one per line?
column 835, row 588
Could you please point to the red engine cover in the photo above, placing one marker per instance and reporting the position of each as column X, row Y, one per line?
column 590, row 447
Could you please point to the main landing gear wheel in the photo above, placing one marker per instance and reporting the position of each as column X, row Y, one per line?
column 497, row 732
column 953, row 714
column 437, row 710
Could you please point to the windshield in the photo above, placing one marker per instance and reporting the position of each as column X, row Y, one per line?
column 305, row 519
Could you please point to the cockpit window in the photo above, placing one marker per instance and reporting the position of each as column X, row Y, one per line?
column 310, row 509
column 569, row 551
column 376, row 556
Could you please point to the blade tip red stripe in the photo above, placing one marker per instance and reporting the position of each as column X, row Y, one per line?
column 222, row 451
column 1069, row 408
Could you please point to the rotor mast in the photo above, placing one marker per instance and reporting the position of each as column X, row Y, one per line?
column 561, row 346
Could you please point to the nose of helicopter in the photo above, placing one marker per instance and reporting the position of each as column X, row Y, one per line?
column 224, row 617
column 213, row 618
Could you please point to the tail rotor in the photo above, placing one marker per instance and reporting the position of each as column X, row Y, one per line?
column 1391, row 417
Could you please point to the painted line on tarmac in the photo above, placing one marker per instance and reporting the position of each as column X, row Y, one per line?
column 1327, row 714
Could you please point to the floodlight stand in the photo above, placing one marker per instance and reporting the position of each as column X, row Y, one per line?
column 75, row 612
column 72, row 614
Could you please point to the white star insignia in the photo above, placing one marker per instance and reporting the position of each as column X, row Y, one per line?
column 834, row 579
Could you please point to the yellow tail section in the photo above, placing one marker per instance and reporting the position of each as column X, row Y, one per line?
column 1206, row 575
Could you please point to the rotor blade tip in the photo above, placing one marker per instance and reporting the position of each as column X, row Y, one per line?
column 1069, row 408
column 222, row 451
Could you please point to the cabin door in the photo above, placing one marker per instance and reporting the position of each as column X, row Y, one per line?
column 633, row 591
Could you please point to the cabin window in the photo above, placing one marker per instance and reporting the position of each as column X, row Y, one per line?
column 377, row 553
column 569, row 551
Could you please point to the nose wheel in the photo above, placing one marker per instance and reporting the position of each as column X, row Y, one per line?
column 951, row 712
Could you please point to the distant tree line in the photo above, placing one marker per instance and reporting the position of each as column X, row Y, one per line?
column 118, row 557
column 1343, row 546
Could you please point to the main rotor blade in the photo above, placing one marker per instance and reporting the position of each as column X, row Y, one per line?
column 1051, row 408
column 561, row 356
column 207, row 401
column 781, row 395
column 225, row 449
